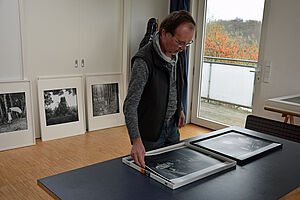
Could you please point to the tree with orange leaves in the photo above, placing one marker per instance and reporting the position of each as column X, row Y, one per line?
column 218, row 43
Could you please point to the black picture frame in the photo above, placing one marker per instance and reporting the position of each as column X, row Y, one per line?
column 237, row 145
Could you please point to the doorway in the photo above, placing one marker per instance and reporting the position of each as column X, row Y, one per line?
column 226, row 61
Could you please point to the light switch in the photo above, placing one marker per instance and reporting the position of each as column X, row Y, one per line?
column 267, row 73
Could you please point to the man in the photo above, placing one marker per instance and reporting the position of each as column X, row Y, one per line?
column 153, row 107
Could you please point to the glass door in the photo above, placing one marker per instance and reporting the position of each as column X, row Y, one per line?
column 226, row 62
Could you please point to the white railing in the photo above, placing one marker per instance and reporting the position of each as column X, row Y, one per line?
column 228, row 82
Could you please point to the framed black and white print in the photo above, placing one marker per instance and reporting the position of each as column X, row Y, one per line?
column 16, row 124
column 104, row 101
column 237, row 145
column 61, row 107
column 181, row 164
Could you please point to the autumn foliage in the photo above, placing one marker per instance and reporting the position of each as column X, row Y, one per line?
column 219, row 43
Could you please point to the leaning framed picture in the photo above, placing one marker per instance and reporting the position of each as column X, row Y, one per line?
column 16, row 124
column 61, row 107
column 104, row 101
column 237, row 145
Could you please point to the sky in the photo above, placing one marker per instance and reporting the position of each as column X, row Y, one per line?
column 232, row 9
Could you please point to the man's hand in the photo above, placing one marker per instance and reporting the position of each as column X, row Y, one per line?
column 138, row 152
column 181, row 120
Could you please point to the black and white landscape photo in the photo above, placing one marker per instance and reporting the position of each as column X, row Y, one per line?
column 61, row 106
column 13, row 116
column 179, row 163
column 105, row 98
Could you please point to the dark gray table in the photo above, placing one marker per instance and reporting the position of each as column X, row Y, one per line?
column 268, row 177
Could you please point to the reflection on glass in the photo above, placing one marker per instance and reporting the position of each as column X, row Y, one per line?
column 230, row 53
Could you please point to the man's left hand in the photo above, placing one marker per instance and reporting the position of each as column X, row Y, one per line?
column 181, row 120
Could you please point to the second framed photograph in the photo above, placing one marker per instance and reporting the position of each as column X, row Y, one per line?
column 237, row 145
column 104, row 101
column 61, row 107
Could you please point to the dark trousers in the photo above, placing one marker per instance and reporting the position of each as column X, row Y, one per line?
column 169, row 135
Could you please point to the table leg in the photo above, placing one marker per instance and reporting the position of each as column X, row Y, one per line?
column 286, row 117
column 292, row 119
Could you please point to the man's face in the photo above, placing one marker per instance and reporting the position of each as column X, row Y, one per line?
column 183, row 35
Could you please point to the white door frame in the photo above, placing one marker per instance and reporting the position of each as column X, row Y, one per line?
column 199, row 46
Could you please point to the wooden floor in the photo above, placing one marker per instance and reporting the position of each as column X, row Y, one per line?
column 20, row 168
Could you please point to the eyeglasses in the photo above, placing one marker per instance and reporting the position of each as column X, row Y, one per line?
column 181, row 44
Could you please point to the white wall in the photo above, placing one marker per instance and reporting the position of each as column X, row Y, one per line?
column 140, row 12
column 52, row 36
column 10, row 41
column 56, row 33
column 136, row 15
column 280, row 46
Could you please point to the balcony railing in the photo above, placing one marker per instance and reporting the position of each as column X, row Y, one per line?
column 228, row 81
column 230, row 61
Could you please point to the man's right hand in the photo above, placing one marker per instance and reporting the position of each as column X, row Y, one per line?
column 138, row 152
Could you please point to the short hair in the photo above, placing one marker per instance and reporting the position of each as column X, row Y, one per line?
column 173, row 20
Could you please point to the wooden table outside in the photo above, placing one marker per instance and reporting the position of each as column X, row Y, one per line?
column 288, row 106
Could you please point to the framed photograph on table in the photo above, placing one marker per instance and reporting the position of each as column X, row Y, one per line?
column 16, row 124
column 181, row 164
column 61, row 107
column 237, row 145
column 104, row 101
